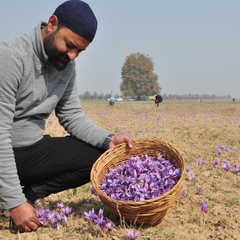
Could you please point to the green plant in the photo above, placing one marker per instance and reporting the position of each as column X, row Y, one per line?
column 86, row 188
column 232, row 201
column 226, row 191
column 74, row 192
column 150, row 233
column 210, row 198
column 169, row 235
column 215, row 187
column 195, row 219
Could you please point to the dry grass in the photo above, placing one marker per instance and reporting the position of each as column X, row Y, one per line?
column 194, row 128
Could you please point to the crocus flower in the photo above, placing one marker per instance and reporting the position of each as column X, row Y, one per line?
column 188, row 169
column 200, row 190
column 66, row 211
column 101, row 222
column 217, row 147
column 196, row 161
column 60, row 205
column 183, row 193
column 65, row 219
column 39, row 213
column 227, row 149
column 236, row 169
column 57, row 220
column 193, row 177
column 204, row 207
column 203, row 162
column 215, row 163
column 226, row 166
column 91, row 216
column 93, row 191
column 132, row 234
column 49, row 216
column 219, row 153
column 109, row 225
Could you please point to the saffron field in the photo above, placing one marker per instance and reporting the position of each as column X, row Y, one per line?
column 206, row 133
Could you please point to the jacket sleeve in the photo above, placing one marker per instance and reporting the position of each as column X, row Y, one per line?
column 10, row 74
column 75, row 121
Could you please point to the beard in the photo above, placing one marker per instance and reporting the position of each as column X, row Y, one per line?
column 59, row 60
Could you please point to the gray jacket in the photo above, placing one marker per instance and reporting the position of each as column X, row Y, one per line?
column 30, row 89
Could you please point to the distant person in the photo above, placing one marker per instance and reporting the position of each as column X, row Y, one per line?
column 158, row 99
column 112, row 99
column 234, row 100
column 37, row 77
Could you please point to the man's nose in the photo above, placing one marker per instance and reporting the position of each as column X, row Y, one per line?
column 72, row 54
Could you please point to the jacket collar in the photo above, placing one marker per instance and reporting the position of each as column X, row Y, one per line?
column 38, row 43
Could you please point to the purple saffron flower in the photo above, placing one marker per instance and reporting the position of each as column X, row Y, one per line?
column 219, row 153
column 66, row 211
column 234, row 148
column 57, row 220
column 217, row 147
column 42, row 220
column 204, row 207
column 215, row 163
column 132, row 234
column 109, row 225
column 227, row 149
column 49, row 216
column 183, row 193
column 99, row 220
column 226, row 166
column 65, row 219
column 236, row 169
column 93, row 191
column 60, row 205
column 193, row 177
column 203, row 162
column 91, row 216
column 58, row 217
column 200, row 190
column 196, row 161
column 39, row 213
column 188, row 169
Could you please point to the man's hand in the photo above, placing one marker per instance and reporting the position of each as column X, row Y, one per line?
column 115, row 140
column 24, row 217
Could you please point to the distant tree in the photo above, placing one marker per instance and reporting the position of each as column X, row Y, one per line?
column 138, row 78
column 87, row 95
column 95, row 96
column 101, row 96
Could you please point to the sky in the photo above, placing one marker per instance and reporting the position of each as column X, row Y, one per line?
column 194, row 45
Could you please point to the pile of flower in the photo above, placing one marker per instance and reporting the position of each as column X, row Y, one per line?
column 56, row 219
column 140, row 178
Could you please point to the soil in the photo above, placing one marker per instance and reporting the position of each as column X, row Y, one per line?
column 194, row 128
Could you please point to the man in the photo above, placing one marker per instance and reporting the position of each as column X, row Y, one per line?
column 158, row 99
column 37, row 76
column 111, row 99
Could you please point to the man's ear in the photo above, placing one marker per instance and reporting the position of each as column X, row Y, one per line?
column 52, row 23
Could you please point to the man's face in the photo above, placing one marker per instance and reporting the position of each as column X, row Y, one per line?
column 62, row 45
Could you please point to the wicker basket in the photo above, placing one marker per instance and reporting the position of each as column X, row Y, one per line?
column 148, row 212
